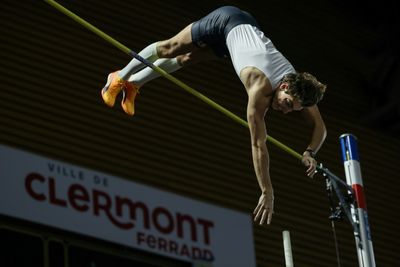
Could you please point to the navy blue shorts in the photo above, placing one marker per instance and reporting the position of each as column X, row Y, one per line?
column 213, row 29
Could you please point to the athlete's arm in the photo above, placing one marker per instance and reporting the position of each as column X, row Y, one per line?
column 259, row 99
column 314, row 119
column 257, row 106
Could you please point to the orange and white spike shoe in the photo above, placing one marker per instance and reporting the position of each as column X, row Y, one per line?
column 130, row 92
column 112, row 88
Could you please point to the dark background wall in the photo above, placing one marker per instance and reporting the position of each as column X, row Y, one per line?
column 52, row 70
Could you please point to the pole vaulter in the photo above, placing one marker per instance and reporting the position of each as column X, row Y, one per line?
column 345, row 204
column 166, row 75
column 269, row 78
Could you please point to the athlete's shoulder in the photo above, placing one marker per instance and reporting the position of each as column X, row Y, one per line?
column 253, row 78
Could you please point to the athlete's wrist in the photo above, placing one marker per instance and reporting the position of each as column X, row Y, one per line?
column 309, row 152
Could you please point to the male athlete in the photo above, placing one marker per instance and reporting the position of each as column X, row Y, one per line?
column 268, row 77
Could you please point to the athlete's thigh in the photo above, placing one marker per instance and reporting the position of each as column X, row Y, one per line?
column 179, row 44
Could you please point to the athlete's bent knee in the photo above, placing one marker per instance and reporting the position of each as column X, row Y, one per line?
column 167, row 49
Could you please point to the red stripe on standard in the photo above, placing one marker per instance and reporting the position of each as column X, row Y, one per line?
column 359, row 194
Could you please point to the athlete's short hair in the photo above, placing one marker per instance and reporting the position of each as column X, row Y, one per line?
column 305, row 87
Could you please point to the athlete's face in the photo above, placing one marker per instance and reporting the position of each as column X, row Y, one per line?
column 285, row 102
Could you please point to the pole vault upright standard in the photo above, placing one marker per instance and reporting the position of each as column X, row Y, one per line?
column 352, row 169
column 166, row 75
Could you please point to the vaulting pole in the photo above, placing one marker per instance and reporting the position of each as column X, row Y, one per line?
column 166, row 75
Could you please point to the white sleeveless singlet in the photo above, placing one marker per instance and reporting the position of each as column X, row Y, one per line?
column 249, row 47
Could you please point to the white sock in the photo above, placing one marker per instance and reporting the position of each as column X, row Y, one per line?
column 149, row 53
column 168, row 64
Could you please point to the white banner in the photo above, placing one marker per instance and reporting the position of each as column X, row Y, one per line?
column 95, row 204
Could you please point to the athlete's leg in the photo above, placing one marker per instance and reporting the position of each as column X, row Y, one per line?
column 170, row 55
column 171, row 64
column 147, row 74
column 178, row 45
column 149, row 53
column 170, row 48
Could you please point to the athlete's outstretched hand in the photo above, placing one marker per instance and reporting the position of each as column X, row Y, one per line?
column 310, row 163
column 265, row 208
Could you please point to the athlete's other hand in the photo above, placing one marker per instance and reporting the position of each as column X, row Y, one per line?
column 265, row 207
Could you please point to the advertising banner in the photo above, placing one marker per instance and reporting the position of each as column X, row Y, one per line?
column 95, row 204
